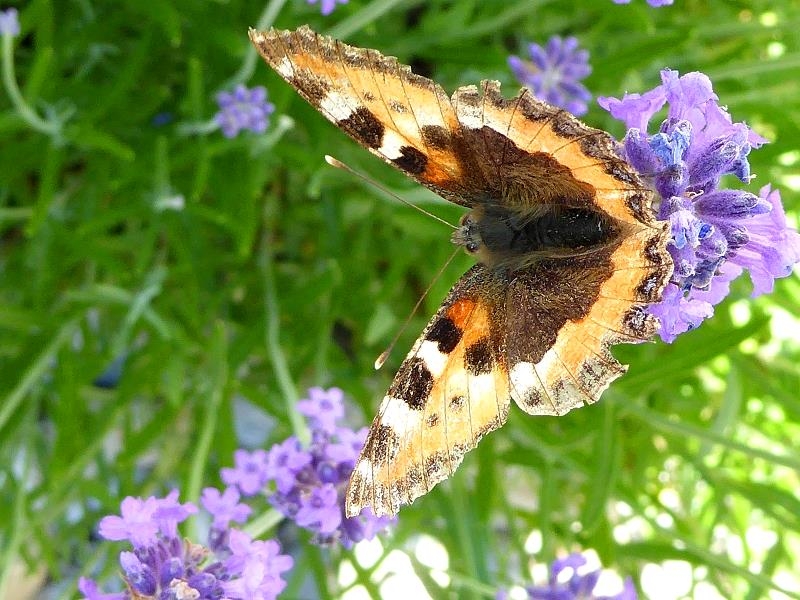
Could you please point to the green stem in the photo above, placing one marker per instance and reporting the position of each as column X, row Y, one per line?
column 19, row 522
column 33, row 373
column 264, row 522
column 51, row 128
column 276, row 355
column 219, row 378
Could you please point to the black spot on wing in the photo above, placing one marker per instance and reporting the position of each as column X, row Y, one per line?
column 411, row 160
column 457, row 403
column 445, row 333
column 384, row 444
column 313, row 87
column 396, row 106
column 364, row 126
column 413, row 383
column 478, row 357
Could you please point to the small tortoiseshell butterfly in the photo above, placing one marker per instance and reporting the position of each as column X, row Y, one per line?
column 568, row 255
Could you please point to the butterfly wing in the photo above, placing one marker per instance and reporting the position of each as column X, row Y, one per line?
column 450, row 391
column 405, row 119
column 562, row 316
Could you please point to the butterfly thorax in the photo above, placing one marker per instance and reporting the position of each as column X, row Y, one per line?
column 501, row 237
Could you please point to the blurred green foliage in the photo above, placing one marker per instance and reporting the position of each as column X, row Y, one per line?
column 276, row 272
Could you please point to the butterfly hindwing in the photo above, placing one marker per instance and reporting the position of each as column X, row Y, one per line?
column 449, row 392
column 563, row 316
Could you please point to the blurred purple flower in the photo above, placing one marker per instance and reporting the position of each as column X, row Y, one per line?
column 260, row 564
column 250, row 472
column 9, row 22
column 569, row 581
column 309, row 484
column 284, row 461
column 136, row 524
column 90, row 591
column 170, row 512
column 323, row 408
column 243, row 109
column 232, row 566
column 654, row 3
column 224, row 507
column 327, row 6
column 553, row 73
column 715, row 232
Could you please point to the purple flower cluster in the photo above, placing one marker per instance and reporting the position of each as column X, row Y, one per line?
column 553, row 73
column 161, row 565
column 308, row 484
column 9, row 22
column 653, row 3
column 327, row 6
column 243, row 109
column 570, row 581
column 716, row 233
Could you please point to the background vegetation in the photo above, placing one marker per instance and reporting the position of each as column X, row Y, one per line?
column 227, row 276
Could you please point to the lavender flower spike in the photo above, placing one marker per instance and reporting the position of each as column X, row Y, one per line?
column 571, row 580
column 163, row 565
column 309, row 483
column 9, row 22
column 243, row 109
column 653, row 3
column 553, row 73
column 716, row 232
column 327, row 6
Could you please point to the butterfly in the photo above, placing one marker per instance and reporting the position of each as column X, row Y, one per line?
column 568, row 256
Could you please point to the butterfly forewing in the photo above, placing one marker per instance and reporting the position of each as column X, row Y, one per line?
column 404, row 118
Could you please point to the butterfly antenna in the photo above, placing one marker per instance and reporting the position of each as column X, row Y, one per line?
column 385, row 354
column 335, row 162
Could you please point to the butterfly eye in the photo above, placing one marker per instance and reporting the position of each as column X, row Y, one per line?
column 471, row 247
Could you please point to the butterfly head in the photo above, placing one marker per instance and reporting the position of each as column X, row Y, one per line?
column 468, row 234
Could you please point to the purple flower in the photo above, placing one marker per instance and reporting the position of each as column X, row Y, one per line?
column 224, row 507
column 136, row 523
column 243, row 109
column 323, row 408
column 9, row 22
column 319, row 510
column 553, row 73
column 772, row 247
column 284, row 462
column 327, row 6
column 259, row 564
column 250, row 473
column 310, row 483
column 170, row 512
column 570, row 581
column 231, row 566
column 654, row 3
column 90, row 591
column 716, row 233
